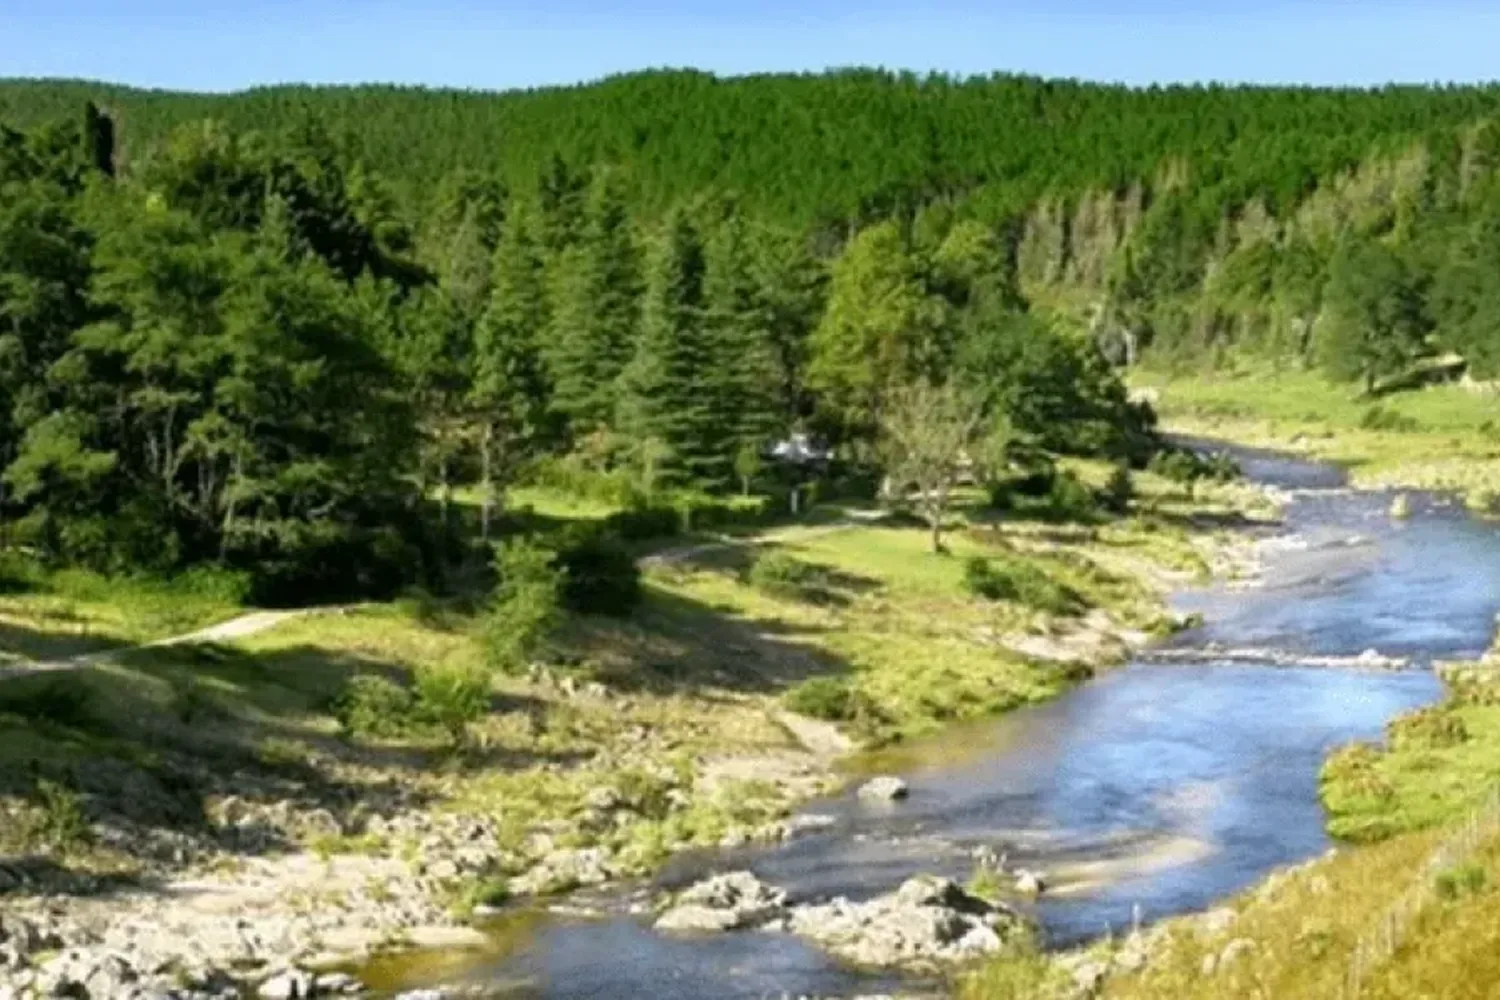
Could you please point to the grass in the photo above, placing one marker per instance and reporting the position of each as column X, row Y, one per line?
column 53, row 614
column 1439, row 437
column 677, row 710
column 1437, row 762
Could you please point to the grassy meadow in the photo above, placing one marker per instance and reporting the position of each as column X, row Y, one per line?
column 1440, row 437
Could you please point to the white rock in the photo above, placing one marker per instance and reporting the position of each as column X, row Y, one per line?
column 884, row 789
column 293, row 984
column 1029, row 883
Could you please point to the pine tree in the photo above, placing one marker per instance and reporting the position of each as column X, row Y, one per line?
column 595, row 293
column 509, row 395
column 668, row 402
column 741, row 384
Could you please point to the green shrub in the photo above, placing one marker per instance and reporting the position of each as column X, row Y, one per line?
column 781, row 575
column 490, row 892
column 1000, row 494
column 451, row 698
column 1070, row 499
column 1463, row 880
column 525, row 606
column 374, row 706
column 1430, row 728
column 59, row 822
column 1118, row 491
column 1012, row 579
column 833, row 699
column 601, row 576
column 1353, row 772
column 1184, row 466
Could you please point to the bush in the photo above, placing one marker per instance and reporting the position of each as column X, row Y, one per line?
column 451, row 698
column 1039, row 474
column 1464, row 880
column 639, row 524
column 832, row 699
column 1353, row 771
column 1431, row 728
column 525, row 606
column 374, row 706
column 601, row 576
column 1070, row 499
column 59, row 822
column 1186, row 467
column 780, row 575
column 1021, row 582
column 1118, row 491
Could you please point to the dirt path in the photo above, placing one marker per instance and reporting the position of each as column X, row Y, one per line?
column 683, row 553
column 239, row 627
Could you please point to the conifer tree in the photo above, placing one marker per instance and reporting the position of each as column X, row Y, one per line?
column 509, row 395
column 594, row 310
column 668, row 400
column 741, row 384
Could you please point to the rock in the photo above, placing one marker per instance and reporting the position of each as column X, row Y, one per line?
column 111, row 977
column 1233, row 950
column 722, row 903
column 926, row 923
column 336, row 983
column 564, row 870
column 808, row 823
column 444, row 870
column 1029, row 883
column 293, row 984
column 698, row 919
column 884, row 789
column 1401, row 506
column 1088, row 977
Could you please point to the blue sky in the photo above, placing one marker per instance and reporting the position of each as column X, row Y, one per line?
column 223, row 45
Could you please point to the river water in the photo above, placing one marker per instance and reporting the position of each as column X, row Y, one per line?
column 1154, row 790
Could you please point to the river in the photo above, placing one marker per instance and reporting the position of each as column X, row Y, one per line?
column 1156, row 789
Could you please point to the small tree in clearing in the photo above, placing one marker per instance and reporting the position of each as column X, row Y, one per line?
column 929, row 432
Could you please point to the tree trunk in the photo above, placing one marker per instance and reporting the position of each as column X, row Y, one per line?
column 445, row 489
column 487, row 484
column 936, row 520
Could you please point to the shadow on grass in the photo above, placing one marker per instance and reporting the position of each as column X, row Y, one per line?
column 19, row 644
column 677, row 644
column 141, row 745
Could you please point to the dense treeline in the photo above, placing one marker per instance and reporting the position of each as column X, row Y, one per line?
column 276, row 329
column 1192, row 222
column 240, row 347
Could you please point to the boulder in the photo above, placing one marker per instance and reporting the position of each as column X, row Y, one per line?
column 722, row 903
column 926, row 923
column 291, row 984
column 563, row 870
column 1029, row 883
column 884, row 789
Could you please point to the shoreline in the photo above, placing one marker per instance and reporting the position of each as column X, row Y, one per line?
column 289, row 917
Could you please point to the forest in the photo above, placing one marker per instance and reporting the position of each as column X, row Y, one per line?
column 277, row 331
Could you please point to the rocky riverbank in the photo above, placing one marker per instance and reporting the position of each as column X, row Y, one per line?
column 216, row 835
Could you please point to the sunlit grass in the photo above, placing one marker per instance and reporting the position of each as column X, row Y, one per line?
column 1441, row 437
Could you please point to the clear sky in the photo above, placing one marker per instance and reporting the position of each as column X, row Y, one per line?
column 225, row 45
